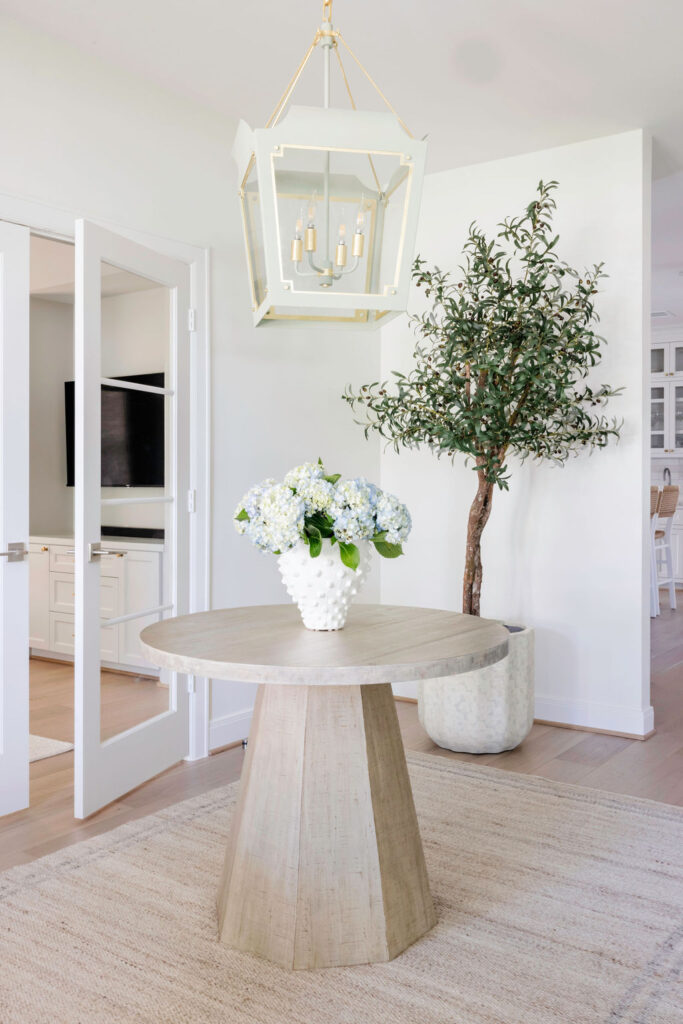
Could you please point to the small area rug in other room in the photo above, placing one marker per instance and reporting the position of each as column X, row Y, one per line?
column 556, row 905
column 40, row 747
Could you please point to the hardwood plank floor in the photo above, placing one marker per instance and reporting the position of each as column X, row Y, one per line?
column 652, row 769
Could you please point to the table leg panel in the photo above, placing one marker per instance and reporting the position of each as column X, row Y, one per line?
column 340, row 913
column 258, row 897
column 408, row 906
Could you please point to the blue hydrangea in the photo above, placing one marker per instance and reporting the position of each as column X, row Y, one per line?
column 275, row 520
column 353, row 510
column 394, row 517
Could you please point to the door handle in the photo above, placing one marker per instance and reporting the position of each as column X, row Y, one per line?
column 94, row 550
column 16, row 552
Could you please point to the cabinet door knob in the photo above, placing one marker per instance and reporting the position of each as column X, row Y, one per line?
column 44, row 548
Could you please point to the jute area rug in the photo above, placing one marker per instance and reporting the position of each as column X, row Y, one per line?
column 40, row 747
column 555, row 903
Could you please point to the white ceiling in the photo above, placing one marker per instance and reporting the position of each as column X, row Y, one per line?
column 484, row 80
column 53, row 268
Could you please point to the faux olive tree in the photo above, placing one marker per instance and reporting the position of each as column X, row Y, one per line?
column 500, row 366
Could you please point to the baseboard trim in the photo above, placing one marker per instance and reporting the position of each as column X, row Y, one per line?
column 66, row 659
column 227, row 730
column 600, row 732
column 591, row 716
column 625, row 734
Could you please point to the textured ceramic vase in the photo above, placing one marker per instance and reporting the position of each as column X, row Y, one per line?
column 485, row 711
column 323, row 587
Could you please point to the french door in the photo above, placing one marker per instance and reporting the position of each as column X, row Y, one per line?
column 109, row 763
column 14, row 455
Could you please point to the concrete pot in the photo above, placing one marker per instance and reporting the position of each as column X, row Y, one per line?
column 485, row 711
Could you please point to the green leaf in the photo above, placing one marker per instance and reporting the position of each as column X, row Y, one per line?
column 387, row 550
column 332, row 479
column 315, row 546
column 242, row 515
column 350, row 555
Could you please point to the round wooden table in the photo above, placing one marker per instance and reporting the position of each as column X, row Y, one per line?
column 324, row 865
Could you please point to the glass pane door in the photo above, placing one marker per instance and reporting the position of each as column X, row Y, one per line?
column 657, row 417
column 676, row 359
column 658, row 367
column 14, row 456
column 678, row 417
column 131, row 429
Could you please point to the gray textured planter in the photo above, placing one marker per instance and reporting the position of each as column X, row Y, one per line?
column 485, row 711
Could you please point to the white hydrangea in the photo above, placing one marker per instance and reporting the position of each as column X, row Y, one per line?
column 353, row 510
column 304, row 475
column 317, row 495
column 393, row 516
column 276, row 516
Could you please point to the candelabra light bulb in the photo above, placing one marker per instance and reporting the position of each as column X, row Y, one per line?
column 299, row 227
column 360, row 219
column 342, row 233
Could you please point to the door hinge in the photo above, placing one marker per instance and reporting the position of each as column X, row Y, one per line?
column 192, row 501
column 192, row 319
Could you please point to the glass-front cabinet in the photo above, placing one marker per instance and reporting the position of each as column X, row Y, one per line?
column 666, row 418
column 666, row 360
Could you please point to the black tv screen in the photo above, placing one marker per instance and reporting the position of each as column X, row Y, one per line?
column 132, row 433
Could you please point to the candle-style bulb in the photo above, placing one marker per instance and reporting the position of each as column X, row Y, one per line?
column 341, row 252
column 311, row 213
column 299, row 227
column 360, row 219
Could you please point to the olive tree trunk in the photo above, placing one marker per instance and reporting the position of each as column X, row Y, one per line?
column 478, row 518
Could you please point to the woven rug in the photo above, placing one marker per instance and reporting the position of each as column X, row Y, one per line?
column 40, row 747
column 555, row 903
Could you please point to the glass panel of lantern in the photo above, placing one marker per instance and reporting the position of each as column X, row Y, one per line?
column 343, row 237
column 253, row 234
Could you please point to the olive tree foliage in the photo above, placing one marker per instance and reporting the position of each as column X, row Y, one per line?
column 501, row 364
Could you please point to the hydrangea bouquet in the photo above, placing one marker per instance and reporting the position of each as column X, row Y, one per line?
column 312, row 506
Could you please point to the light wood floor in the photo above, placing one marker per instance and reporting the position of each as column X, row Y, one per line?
column 651, row 769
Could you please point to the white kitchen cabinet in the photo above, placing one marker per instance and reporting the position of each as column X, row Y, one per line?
column 666, row 418
column 62, row 635
column 142, row 589
column 130, row 581
column 666, row 360
column 39, row 596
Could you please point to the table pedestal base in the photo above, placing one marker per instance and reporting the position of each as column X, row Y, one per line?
column 324, row 866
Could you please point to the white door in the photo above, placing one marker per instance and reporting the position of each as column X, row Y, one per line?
column 14, row 426
column 110, row 760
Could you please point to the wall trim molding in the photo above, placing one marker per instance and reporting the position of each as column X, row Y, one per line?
column 635, row 723
column 229, row 729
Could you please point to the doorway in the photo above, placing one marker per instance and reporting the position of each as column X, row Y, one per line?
column 134, row 314
column 132, row 547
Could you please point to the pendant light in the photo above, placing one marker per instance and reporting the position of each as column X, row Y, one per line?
column 330, row 200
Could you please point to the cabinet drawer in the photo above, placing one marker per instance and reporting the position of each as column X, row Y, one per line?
column 62, row 560
column 63, row 593
column 62, row 635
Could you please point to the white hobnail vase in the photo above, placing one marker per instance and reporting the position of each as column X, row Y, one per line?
column 323, row 587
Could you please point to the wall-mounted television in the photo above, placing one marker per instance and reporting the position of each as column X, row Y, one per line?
column 132, row 433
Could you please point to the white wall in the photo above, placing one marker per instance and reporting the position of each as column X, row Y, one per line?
column 564, row 550
column 108, row 145
column 52, row 362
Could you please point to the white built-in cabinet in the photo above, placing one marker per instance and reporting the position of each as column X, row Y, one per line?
column 130, row 581
column 666, row 398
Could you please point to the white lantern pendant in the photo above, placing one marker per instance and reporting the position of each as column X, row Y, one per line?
column 330, row 200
